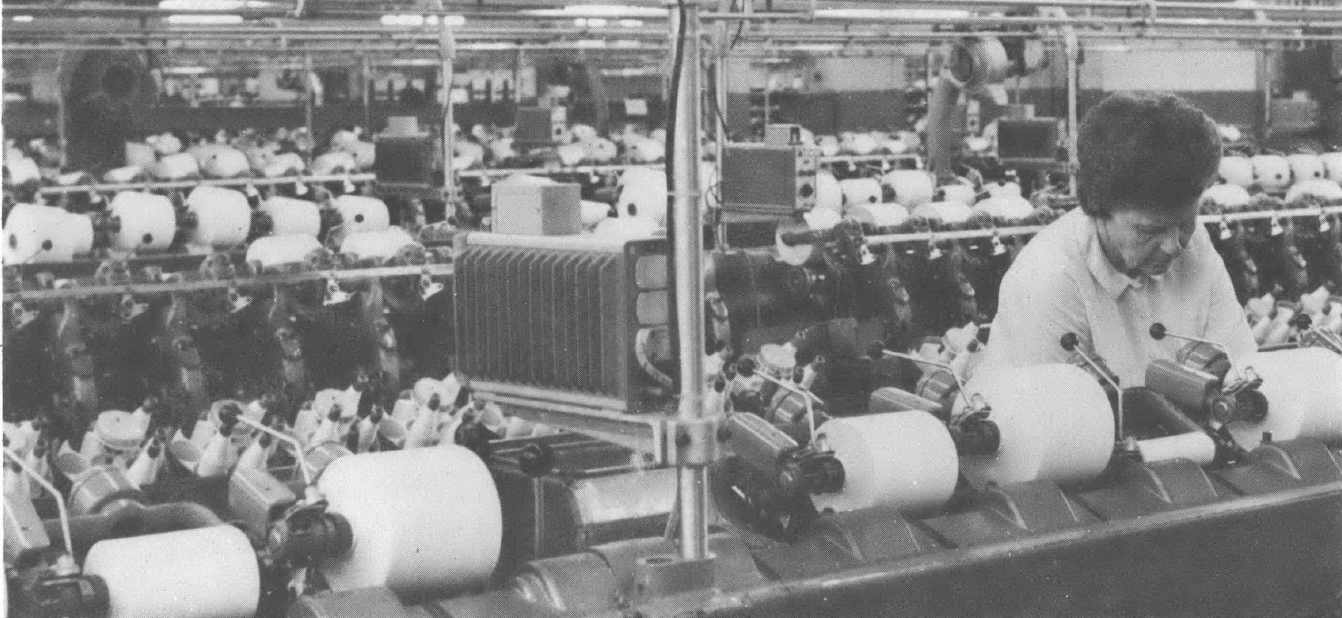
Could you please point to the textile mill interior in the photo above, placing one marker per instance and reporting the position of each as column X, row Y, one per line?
column 686, row 308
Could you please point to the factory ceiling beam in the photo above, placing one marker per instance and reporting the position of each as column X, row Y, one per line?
column 779, row 9
column 1080, row 21
column 837, row 28
column 641, row 7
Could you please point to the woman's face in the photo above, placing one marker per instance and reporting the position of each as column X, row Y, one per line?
column 1147, row 240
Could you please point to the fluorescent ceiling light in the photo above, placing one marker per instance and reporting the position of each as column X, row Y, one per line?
column 201, row 5
column 23, row 18
column 600, row 10
column 403, row 20
column 893, row 13
column 205, row 19
column 413, row 62
column 626, row 44
column 590, row 43
column 631, row 23
column 186, row 70
column 814, row 47
column 629, row 72
column 489, row 46
column 414, row 21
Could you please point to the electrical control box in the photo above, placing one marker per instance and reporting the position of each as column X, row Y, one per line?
column 541, row 126
column 768, row 179
column 404, row 161
column 1027, row 141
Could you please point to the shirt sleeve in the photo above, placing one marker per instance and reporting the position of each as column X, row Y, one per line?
column 1226, row 323
column 1036, row 307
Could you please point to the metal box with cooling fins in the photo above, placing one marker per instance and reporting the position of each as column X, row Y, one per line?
column 557, row 319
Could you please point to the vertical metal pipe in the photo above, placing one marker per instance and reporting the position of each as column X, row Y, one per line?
column 688, row 253
column 1073, row 129
column 308, row 103
column 689, row 221
column 768, row 90
column 538, row 517
column 447, row 52
column 1265, row 61
column 517, row 77
column 366, row 91
column 691, row 483
column 61, row 111
column 721, row 44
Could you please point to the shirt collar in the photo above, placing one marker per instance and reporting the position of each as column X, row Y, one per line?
column 1111, row 279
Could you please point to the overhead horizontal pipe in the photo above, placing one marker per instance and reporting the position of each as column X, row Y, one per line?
column 776, row 40
column 800, row 9
column 510, row 36
column 1185, row 14
column 1136, row 21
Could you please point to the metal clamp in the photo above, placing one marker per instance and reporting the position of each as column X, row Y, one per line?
column 694, row 442
column 428, row 287
column 130, row 308
column 236, row 300
column 334, row 295
column 22, row 316
column 112, row 272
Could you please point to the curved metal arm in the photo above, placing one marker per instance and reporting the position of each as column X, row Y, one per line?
column 1158, row 332
column 60, row 503
column 286, row 438
column 1069, row 343
column 969, row 405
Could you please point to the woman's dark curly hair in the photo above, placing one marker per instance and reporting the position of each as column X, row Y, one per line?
column 1144, row 150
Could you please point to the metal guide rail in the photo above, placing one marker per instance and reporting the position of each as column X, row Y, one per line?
column 152, row 185
column 170, row 287
column 213, row 182
column 1024, row 230
column 599, row 169
column 576, row 169
column 874, row 158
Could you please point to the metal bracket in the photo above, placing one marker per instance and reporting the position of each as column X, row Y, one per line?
column 22, row 316
column 112, row 272
column 334, row 295
column 666, row 575
column 428, row 287
column 236, row 300
column 591, row 416
column 696, row 442
column 130, row 309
